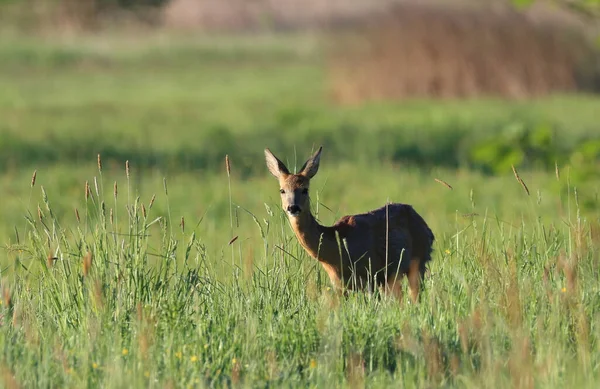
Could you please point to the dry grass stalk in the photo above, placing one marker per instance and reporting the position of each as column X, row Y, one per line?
column 521, row 364
column 96, row 187
column 87, row 263
column 355, row 371
column 182, row 224
column 233, row 240
column 8, row 377
column 434, row 358
column 87, row 191
column 127, row 168
column 77, row 215
column 98, row 294
column 165, row 185
column 236, row 372
column 520, row 180
column 443, row 183
column 143, row 211
column 50, row 260
column 7, row 297
column 115, row 190
column 227, row 165
column 99, row 164
column 33, row 177
column 151, row 202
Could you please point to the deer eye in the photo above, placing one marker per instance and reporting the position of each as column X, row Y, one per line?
column 282, row 191
column 305, row 191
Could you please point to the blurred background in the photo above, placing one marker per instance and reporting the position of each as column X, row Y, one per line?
column 444, row 86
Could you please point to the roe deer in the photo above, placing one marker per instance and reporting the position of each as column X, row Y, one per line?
column 359, row 251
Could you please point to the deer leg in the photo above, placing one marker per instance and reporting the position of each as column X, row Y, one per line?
column 415, row 275
column 394, row 288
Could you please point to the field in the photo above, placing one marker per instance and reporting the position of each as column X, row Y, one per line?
column 173, row 273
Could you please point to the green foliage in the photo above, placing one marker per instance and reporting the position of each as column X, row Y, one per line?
column 520, row 145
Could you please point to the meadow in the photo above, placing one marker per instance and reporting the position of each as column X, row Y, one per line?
column 136, row 259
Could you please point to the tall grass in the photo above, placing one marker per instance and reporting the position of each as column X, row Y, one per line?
column 132, row 301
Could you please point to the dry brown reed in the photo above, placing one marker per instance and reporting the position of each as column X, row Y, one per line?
column 435, row 51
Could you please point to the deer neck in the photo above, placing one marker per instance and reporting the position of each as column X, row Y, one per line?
column 319, row 241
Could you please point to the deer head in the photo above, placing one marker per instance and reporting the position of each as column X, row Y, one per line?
column 294, row 187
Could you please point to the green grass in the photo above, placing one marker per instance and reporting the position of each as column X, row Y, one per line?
column 512, row 298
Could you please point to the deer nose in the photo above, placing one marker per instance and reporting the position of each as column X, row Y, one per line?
column 293, row 210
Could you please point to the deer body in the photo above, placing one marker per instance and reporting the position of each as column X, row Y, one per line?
column 372, row 249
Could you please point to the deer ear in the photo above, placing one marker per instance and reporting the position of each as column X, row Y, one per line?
column 311, row 166
column 276, row 167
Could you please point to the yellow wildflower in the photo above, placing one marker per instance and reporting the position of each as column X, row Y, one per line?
column 125, row 351
column 234, row 361
column 147, row 374
column 563, row 289
column 313, row 364
column 206, row 346
column 194, row 358
column 178, row 355
column 447, row 252
column 94, row 365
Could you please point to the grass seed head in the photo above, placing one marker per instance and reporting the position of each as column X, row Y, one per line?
column 33, row 177
column 519, row 179
column 227, row 165
column 144, row 211
column 152, row 201
column 99, row 164
column 115, row 190
column 127, row 168
column 87, row 191
column 40, row 213
column 112, row 220
column 182, row 224
column 77, row 215
column 443, row 183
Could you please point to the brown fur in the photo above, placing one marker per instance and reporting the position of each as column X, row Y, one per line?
column 363, row 251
